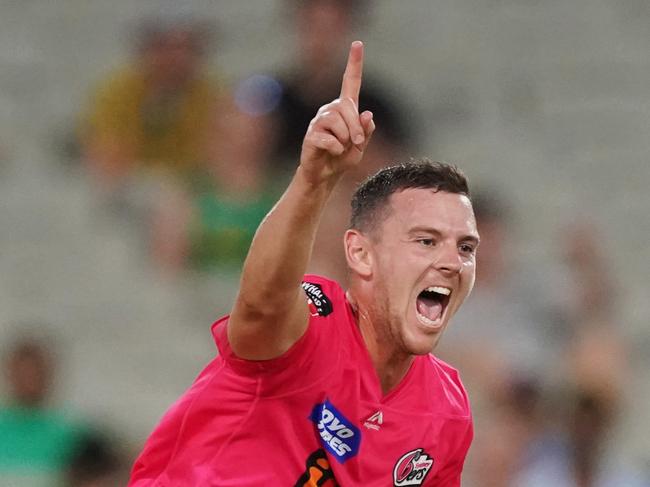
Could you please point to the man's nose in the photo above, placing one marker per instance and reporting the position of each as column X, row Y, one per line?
column 449, row 261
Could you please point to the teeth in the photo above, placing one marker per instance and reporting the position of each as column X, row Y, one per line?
column 427, row 321
column 439, row 290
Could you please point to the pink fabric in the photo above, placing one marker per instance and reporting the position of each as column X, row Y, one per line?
column 311, row 414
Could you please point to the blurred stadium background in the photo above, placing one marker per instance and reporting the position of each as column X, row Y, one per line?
column 546, row 103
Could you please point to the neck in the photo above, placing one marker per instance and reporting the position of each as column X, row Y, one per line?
column 391, row 364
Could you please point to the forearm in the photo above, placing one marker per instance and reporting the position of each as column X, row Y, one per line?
column 282, row 246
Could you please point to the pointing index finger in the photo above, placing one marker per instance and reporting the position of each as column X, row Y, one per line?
column 351, row 84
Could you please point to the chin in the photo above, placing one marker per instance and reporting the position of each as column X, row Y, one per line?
column 423, row 345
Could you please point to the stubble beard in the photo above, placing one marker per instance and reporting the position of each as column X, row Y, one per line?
column 387, row 325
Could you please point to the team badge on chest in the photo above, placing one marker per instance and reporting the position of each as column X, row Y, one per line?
column 412, row 468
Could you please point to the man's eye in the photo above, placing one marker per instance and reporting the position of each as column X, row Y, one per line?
column 427, row 242
column 467, row 249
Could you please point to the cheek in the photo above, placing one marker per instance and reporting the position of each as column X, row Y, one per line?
column 469, row 275
column 386, row 268
column 389, row 300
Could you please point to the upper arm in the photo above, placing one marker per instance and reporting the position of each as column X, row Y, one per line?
column 256, row 332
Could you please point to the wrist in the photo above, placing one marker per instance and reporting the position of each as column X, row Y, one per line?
column 317, row 184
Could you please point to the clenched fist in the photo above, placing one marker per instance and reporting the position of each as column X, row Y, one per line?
column 338, row 136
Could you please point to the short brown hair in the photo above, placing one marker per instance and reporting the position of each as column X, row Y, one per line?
column 372, row 195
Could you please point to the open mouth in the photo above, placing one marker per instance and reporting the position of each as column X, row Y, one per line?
column 431, row 304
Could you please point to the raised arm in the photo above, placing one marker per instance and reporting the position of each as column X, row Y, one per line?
column 270, row 313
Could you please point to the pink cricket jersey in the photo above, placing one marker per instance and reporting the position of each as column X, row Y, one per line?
column 315, row 416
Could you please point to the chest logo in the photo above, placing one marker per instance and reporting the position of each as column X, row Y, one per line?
column 338, row 435
column 374, row 421
column 412, row 468
column 319, row 304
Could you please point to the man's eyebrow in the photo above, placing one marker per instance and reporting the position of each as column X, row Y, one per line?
column 424, row 229
column 471, row 238
column 436, row 233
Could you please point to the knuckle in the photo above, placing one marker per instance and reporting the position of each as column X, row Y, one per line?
column 340, row 105
column 326, row 116
column 325, row 139
column 312, row 139
column 328, row 107
column 348, row 104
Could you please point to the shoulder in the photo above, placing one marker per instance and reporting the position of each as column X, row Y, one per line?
column 120, row 90
column 323, row 294
column 125, row 79
column 329, row 314
column 448, row 378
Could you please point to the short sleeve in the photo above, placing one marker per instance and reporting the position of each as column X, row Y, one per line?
column 314, row 354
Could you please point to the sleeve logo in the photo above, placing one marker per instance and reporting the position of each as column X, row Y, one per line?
column 338, row 435
column 412, row 468
column 319, row 304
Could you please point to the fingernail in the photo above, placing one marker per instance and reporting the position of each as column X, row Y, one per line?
column 358, row 139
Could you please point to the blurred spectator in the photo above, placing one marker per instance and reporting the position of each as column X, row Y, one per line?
column 36, row 440
column 323, row 32
column 156, row 112
column 579, row 454
column 261, row 136
column 531, row 441
column 582, row 452
column 503, row 435
column 212, row 228
column 95, row 464
column 596, row 357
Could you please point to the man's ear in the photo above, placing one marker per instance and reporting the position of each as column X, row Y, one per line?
column 358, row 252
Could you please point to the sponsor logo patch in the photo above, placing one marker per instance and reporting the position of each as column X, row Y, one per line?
column 319, row 304
column 338, row 435
column 412, row 468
